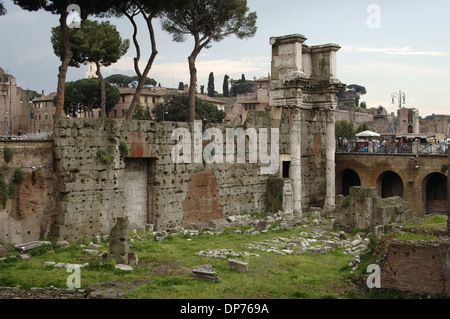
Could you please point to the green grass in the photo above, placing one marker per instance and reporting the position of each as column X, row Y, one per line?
column 163, row 268
column 270, row 276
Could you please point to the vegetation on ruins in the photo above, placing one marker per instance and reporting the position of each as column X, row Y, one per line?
column 207, row 21
column 7, row 154
column 105, row 156
column 18, row 175
column 123, row 150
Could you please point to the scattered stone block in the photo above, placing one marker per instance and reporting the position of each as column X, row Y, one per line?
column 24, row 256
column 301, row 251
column 205, row 272
column 133, row 259
column 4, row 250
column 63, row 244
column 90, row 251
column 237, row 265
column 29, row 246
column 199, row 225
column 60, row 265
column 124, row 267
column 49, row 263
column 219, row 224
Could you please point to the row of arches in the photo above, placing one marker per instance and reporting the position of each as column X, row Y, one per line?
column 389, row 184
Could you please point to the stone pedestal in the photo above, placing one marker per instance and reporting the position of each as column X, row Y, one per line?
column 119, row 244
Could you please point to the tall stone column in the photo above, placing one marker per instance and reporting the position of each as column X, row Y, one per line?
column 330, row 196
column 295, row 168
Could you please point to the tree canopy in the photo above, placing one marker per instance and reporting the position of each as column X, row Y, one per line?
column 121, row 80
column 175, row 108
column 97, row 42
column 60, row 7
column 87, row 92
column 208, row 21
column 351, row 92
column 2, row 9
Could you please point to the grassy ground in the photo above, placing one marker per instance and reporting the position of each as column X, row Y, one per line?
column 164, row 269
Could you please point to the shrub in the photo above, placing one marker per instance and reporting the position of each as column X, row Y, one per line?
column 7, row 154
column 123, row 150
column 105, row 156
column 18, row 175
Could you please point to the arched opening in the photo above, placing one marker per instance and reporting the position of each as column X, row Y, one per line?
column 348, row 179
column 410, row 129
column 390, row 184
column 434, row 190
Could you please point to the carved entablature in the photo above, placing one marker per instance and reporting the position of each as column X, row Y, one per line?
column 303, row 74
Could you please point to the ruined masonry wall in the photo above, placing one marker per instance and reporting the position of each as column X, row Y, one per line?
column 29, row 214
column 91, row 193
column 313, row 152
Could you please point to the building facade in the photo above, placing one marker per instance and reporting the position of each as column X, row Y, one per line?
column 14, row 106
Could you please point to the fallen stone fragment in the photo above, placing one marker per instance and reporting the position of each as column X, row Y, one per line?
column 205, row 272
column 63, row 244
column 49, row 263
column 237, row 265
column 29, row 246
column 124, row 267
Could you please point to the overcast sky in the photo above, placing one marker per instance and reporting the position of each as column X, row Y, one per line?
column 385, row 46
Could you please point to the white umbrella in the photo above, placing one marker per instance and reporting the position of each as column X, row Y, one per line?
column 367, row 134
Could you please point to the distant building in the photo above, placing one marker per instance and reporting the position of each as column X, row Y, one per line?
column 258, row 100
column 91, row 71
column 14, row 106
column 43, row 114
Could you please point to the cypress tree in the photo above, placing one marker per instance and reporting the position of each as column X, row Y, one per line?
column 211, row 85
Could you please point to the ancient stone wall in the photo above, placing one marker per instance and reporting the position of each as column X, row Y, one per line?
column 416, row 266
column 92, row 194
column 363, row 208
column 28, row 214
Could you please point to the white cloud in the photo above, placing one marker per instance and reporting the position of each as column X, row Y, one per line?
column 393, row 51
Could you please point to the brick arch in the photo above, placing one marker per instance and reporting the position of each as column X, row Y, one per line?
column 435, row 192
column 345, row 179
column 390, row 184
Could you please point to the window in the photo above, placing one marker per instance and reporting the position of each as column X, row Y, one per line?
column 123, row 98
column 115, row 113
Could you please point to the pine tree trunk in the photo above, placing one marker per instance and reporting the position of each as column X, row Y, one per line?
column 63, row 68
column 102, row 91
column 192, row 87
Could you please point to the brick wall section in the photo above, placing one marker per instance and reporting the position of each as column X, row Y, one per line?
column 370, row 167
column 29, row 214
column 417, row 266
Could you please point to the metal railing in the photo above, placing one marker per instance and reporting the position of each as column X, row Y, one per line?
column 390, row 148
